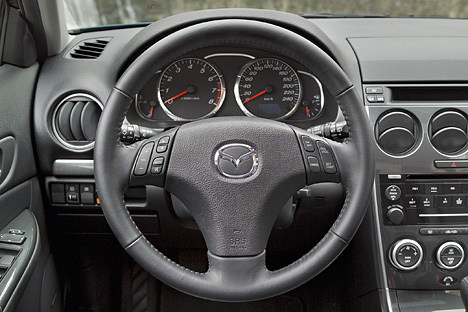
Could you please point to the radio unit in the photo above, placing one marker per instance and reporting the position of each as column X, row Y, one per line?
column 424, row 199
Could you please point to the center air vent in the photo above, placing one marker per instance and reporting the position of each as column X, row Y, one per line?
column 397, row 132
column 89, row 49
column 448, row 131
column 75, row 121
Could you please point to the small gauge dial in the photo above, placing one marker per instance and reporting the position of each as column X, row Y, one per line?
column 268, row 88
column 312, row 102
column 191, row 89
column 146, row 108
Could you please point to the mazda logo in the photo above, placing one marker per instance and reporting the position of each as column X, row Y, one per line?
column 236, row 160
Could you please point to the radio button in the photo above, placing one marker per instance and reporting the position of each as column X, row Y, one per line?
column 459, row 201
column 427, row 201
column 412, row 201
column 414, row 188
column 452, row 188
column 434, row 188
column 393, row 193
column 444, row 201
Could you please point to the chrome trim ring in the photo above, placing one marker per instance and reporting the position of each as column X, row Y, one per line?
column 398, row 245
column 439, row 256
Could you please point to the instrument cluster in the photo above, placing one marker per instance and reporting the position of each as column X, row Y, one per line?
column 233, row 81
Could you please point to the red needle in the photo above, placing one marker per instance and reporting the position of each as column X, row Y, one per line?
column 151, row 113
column 307, row 111
column 253, row 97
column 175, row 97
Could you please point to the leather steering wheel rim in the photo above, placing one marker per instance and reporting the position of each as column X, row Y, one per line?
column 233, row 277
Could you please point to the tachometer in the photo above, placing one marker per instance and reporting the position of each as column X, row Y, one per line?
column 268, row 88
column 191, row 89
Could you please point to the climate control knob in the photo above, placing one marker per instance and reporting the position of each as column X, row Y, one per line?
column 450, row 255
column 406, row 254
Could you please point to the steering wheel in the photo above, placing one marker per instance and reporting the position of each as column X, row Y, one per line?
column 234, row 174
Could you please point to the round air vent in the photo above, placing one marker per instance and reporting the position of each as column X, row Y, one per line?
column 397, row 132
column 75, row 120
column 448, row 131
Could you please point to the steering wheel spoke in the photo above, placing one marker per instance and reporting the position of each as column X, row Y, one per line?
column 319, row 157
column 152, row 159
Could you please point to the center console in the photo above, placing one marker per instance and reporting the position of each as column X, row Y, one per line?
column 421, row 183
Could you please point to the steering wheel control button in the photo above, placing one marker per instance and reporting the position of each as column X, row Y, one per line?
column 162, row 144
column 308, row 143
column 450, row 255
column 236, row 160
column 157, row 165
column 406, row 254
column 156, row 169
column 313, row 164
column 328, row 162
column 164, row 140
column 143, row 159
column 395, row 214
column 393, row 193
column 158, row 161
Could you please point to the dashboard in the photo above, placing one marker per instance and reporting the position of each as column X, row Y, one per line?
column 412, row 76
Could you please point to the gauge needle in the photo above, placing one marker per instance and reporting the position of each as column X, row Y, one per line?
column 175, row 97
column 151, row 112
column 307, row 112
column 253, row 97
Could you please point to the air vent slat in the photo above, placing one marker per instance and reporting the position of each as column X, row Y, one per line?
column 75, row 121
column 89, row 49
column 63, row 121
column 89, row 120
column 81, row 56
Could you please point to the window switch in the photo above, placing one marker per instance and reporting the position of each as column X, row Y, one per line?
column 12, row 239
column 6, row 261
column 16, row 232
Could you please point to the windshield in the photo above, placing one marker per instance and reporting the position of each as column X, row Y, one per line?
column 92, row 13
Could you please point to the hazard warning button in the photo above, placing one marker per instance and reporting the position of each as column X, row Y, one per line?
column 451, row 164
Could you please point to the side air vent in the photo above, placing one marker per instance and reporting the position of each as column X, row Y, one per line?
column 397, row 132
column 448, row 131
column 75, row 120
column 89, row 49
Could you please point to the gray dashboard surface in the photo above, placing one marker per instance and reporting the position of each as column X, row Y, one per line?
column 394, row 59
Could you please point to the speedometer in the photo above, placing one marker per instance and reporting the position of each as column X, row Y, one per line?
column 190, row 89
column 268, row 88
